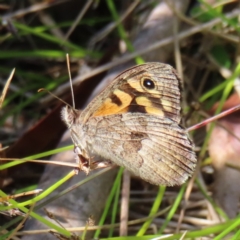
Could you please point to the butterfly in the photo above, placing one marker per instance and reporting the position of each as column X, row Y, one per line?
column 135, row 123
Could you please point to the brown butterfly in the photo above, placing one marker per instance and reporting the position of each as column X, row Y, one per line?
column 135, row 123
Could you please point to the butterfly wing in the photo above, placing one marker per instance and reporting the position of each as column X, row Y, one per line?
column 156, row 149
column 153, row 88
column 134, row 122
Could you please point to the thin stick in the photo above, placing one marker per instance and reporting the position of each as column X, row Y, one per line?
column 32, row 9
column 4, row 92
column 70, row 80
column 42, row 161
column 20, row 225
column 125, row 203
column 33, row 192
column 78, row 19
column 214, row 118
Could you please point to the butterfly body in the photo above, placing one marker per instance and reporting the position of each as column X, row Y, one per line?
column 135, row 123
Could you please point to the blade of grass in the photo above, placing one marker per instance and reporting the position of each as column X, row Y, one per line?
column 154, row 210
column 115, row 208
column 121, row 30
column 236, row 236
column 40, row 54
column 220, row 87
column 173, row 209
column 207, row 231
column 228, row 230
column 36, row 216
column 217, row 13
column 72, row 187
column 51, row 38
column 199, row 234
column 109, row 201
column 40, row 155
column 208, row 198
column 40, row 196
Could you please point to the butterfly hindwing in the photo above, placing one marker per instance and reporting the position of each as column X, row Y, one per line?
column 156, row 149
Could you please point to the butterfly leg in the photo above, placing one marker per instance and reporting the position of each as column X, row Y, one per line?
column 86, row 165
column 83, row 162
column 101, row 164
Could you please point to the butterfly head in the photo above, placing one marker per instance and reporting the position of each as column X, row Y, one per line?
column 70, row 116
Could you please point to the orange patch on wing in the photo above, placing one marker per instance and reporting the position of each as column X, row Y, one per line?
column 149, row 106
column 135, row 84
column 110, row 107
column 167, row 105
column 143, row 101
column 155, row 111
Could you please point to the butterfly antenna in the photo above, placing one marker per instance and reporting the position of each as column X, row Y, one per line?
column 70, row 80
column 45, row 90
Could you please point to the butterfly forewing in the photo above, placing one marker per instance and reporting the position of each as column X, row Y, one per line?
column 152, row 88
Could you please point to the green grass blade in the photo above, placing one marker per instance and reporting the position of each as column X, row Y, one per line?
column 173, row 209
column 109, row 201
column 154, row 210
